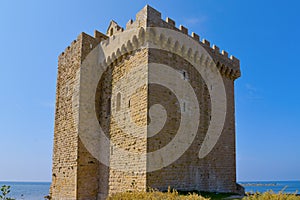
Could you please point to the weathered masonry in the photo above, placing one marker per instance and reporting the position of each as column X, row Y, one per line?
column 145, row 106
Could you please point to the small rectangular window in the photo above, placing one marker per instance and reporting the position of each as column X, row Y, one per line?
column 184, row 75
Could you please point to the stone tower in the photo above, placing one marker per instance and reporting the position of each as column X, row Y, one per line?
column 148, row 106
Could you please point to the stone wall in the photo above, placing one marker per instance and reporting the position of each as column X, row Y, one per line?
column 216, row 172
column 182, row 173
column 123, row 95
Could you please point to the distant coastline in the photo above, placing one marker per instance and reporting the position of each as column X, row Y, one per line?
column 275, row 186
column 258, row 184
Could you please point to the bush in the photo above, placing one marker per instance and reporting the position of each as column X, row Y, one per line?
column 5, row 190
column 174, row 195
column 272, row 195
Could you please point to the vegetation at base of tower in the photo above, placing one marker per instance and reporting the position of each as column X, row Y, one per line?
column 174, row 195
column 155, row 195
column 5, row 190
column 271, row 195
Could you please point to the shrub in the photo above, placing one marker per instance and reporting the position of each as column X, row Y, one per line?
column 5, row 190
column 272, row 195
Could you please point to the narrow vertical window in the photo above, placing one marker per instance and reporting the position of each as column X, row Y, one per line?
column 67, row 90
column 184, row 75
column 184, row 107
column 111, row 32
column 129, row 103
column 108, row 106
column 118, row 101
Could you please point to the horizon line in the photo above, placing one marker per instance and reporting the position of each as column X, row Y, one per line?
column 48, row 181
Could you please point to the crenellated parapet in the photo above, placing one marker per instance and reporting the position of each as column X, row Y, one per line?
column 68, row 48
column 148, row 16
column 82, row 43
column 229, row 66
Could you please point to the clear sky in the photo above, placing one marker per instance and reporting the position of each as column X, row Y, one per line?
column 264, row 35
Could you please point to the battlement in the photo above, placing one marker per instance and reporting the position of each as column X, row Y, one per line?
column 149, row 17
column 84, row 40
column 205, row 42
column 71, row 46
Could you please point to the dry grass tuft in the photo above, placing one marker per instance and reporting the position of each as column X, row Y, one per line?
column 272, row 195
column 155, row 195
column 174, row 195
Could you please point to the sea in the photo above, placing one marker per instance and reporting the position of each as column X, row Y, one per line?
column 37, row 190
column 27, row 190
column 274, row 186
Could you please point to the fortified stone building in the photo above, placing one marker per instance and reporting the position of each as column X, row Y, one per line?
column 144, row 106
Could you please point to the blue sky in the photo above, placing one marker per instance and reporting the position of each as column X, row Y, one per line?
column 264, row 35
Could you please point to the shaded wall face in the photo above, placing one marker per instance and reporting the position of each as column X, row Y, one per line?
column 65, row 130
column 73, row 166
column 217, row 170
column 89, row 168
column 103, row 112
